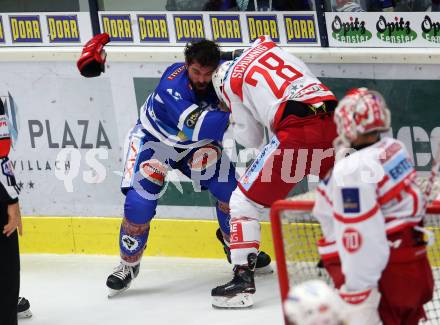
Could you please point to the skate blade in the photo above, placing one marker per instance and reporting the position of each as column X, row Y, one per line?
column 264, row 270
column 241, row 300
column 24, row 314
column 113, row 292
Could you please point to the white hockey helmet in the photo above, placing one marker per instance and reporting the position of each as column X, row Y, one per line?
column 218, row 78
column 361, row 111
column 314, row 303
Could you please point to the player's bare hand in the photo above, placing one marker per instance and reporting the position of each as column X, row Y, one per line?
column 14, row 220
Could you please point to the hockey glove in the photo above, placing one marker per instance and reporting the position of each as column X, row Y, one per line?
column 362, row 306
column 92, row 60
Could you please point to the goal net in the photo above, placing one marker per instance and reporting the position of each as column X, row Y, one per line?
column 296, row 232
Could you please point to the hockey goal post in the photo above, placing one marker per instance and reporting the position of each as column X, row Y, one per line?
column 295, row 233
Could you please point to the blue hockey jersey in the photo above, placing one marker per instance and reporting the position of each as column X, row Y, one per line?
column 177, row 116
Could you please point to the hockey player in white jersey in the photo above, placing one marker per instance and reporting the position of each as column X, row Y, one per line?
column 371, row 213
column 266, row 87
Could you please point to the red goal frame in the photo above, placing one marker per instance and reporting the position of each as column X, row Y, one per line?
column 301, row 205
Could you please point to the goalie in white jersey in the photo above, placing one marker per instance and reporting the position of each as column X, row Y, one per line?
column 266, row 87
column 371, row 213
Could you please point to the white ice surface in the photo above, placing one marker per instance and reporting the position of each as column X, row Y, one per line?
column 71, row 290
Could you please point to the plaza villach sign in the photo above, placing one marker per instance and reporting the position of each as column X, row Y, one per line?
column 379, row 29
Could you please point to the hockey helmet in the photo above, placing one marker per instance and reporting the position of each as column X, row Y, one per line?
column 218, row 78
column 361, row 111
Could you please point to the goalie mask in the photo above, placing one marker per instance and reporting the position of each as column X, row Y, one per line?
column 218, row 78
column 361, row 111
column 313, row 303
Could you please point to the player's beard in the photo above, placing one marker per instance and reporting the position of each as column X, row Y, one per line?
column 201, row 86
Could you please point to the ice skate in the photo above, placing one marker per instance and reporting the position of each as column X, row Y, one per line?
column 121, row 278
column 23, row 308
column 238, row 293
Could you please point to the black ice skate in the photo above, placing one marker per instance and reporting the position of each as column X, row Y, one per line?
column 121, row 278
column 23, row 308
column 238, row 292
column 263, row 259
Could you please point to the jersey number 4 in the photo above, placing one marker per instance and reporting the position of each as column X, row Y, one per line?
column 272, row 62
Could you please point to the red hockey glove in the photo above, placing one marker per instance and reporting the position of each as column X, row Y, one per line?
column 92, row 60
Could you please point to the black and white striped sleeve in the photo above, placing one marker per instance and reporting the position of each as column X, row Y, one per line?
column 9, row 189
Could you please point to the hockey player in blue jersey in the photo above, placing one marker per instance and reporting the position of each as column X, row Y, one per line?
column 180, row 127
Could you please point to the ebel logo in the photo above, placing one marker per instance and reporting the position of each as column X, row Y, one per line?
column 397, row 31
column 431, row 30
column 353, row 31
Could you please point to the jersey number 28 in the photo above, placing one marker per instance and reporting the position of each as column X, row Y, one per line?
column 272, row 62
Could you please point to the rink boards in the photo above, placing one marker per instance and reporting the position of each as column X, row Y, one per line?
column 182, row 238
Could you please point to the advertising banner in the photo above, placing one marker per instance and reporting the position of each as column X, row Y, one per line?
column 227, row 28
column 379, row 29
column 70, row 132
column 44, row 29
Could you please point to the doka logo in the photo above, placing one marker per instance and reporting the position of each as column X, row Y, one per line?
column 397, row 31
column 353, row 31
column 300, row 28
column 153, row 28
column 431, row 30
column 189, row 27
column 226, row 28
column 2, row 35
column 63, row 28
column 25, row 29
column 263, row 25
column 118, row 27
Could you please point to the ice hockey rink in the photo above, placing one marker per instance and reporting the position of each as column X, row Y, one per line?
column 71, row 290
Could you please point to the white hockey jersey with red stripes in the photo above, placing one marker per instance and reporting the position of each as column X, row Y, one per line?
column 369, row 195
column 259, row 80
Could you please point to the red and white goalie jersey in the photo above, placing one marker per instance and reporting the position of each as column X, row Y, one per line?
column 370, row 195
column 262, row 78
